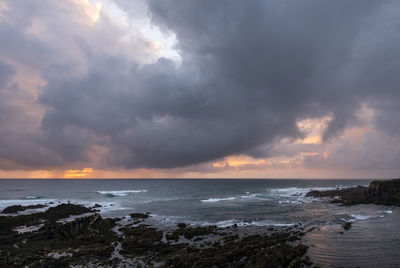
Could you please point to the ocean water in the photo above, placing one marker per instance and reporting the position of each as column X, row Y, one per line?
column 373, row 240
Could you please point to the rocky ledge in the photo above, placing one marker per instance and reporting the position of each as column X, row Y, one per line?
column 377, row 192
column 91, row 241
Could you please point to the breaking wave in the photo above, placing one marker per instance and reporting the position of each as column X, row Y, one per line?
column 213, row 200
column 120, row 193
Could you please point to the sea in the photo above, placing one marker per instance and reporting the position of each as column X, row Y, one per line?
column 373, row 240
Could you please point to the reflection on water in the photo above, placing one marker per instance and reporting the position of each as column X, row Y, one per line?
column 374, row 242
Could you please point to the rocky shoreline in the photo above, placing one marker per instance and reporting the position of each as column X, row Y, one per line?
column 72, row 235
column 46, row 239
column 377, row 192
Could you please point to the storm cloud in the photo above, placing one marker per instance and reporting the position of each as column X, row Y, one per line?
column 249, row 72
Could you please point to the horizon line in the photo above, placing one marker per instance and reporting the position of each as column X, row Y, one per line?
column 194, row 178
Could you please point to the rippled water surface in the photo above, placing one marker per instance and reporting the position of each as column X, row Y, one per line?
column 374, row 239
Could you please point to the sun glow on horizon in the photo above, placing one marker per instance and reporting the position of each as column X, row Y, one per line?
column 78, row 173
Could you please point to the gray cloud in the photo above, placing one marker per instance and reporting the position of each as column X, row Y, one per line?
column 250, row 71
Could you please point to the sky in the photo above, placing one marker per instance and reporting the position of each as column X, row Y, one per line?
column 199, row 89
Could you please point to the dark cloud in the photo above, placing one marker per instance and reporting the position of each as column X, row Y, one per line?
column 250, row 70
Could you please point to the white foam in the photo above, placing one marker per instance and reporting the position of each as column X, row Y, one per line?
column 167, row 220
column 173, row 220
column 361, row 217
column 111, row 207
column 297, row 191
column 57, row 255
column 27, row 229
column 297, row 201
column 269, row 223
column 228, row 223
column 263, row 223
column 212, row 200
column 32, row 197
column 388, row 211
column 121, row 193
column 223, row 224
column 249, row 196
column 24, row 202
column 253, row 197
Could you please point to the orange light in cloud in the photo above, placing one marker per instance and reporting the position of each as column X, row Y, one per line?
column 92, row 11
column 78, row 173
column 311, row 140
column 238, row 161
column 313, row 128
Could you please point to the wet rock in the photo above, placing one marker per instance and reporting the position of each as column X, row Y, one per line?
column 190, row 232
column 58, row 244
column 174, row 236
column 139, row 215
column 181, row 225
column 17, row 208
column 347, row 225
column 8, row 223
column 293, row 238
column 141, row 239
column 251, row 251
column 64, row 211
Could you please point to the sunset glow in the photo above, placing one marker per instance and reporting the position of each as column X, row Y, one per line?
column 77, row 173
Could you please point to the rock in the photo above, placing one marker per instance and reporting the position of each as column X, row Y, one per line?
column 347, row 225
column 377, row 192
column 181, row 225
column 251, row 251
column 190, row 232
column 7, row 223
column 141, row 239
column 16, row 208
column 64, row 211
column 77, row 242
column 139, row 215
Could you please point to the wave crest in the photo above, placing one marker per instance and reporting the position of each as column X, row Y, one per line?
column 120, row 193
column 213, row 200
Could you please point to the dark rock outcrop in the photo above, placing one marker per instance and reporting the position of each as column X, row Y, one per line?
column 347, row 225
column 181, row 225
column 7, row 223
column 56, row 244
column 139, row 215
column 377, row 192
